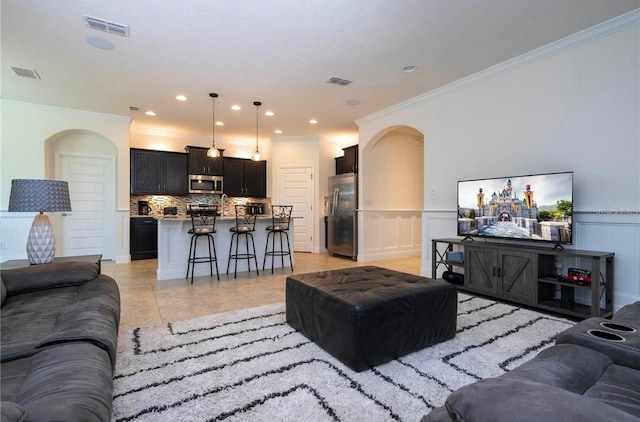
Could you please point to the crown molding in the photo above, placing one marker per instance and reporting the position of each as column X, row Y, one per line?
column 19, row 105
column 583, row 37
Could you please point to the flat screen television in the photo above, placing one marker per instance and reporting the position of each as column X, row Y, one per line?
column 536, row 207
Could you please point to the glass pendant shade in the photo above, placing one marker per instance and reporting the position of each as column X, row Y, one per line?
column 37, row 195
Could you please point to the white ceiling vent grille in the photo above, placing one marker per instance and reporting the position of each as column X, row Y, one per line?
column 106, row 26
column 26, row 73
column 338, row 81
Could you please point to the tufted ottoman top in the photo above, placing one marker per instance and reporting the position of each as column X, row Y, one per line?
column 363, row 287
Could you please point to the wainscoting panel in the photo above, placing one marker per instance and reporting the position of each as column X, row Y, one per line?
column 14, row 230
column 611, row 232
column 389, row 234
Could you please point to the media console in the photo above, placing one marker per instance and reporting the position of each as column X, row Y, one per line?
column 529, row 275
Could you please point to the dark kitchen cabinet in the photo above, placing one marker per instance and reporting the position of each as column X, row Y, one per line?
column 348, row 163
column 200, row 163
column 158, row 172
column 143, row 238
column 244, row 177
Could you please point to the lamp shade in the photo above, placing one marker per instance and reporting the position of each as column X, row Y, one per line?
column 39, row 195
column 29, row 195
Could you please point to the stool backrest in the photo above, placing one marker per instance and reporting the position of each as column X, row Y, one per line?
column 203, row 218
column 281, row 216
column 245, row 218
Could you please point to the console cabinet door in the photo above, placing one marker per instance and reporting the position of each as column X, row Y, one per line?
column 481, row 270
column 517, row 276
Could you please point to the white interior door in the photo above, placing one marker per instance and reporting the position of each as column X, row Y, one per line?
column 90, row 227
column 296, row 188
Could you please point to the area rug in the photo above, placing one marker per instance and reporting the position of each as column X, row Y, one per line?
column 250, row 365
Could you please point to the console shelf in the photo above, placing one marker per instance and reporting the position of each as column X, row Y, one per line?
column 524, row 274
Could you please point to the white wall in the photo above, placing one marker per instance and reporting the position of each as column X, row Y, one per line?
column 572, row 105
column 395, row 176
column 26, row 128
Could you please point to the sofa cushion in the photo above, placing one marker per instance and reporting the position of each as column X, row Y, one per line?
column 71, row 381
column 618, row 387
column 506, row 399
column 12, row 412
column 45, row 276
column 567, row 366
column 88, row 312
column 4, row 291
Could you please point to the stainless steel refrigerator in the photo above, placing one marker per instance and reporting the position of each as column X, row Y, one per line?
column 342, row 222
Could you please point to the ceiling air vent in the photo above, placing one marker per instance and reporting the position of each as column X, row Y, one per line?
column 134, row 108
column 26, row 73
column 106, row 26
column 338, row 81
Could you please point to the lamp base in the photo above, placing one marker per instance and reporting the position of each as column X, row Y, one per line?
column 41, row 245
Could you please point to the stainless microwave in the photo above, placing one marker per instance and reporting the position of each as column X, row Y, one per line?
column 199, row 183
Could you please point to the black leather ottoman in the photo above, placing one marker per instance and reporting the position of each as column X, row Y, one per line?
column 366, row 316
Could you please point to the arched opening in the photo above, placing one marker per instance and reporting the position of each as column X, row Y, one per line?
column 392, row 194
column 87, row 160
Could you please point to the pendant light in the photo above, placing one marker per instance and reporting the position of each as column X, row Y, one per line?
column 213, row 151
column 256, row 155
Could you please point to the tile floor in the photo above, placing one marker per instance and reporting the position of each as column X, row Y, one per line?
column 146, row 301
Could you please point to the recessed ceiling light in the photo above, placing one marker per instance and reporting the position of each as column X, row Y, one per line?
column 409, row 69
column 313, row 121
column 278, row 131
column 236, row 107
column 150, row 113
column 100, row 43
column 219, row 123
column 352, row 102
column 181, row 97
column 268, row 113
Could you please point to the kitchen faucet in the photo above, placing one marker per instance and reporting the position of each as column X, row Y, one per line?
column 223, row 197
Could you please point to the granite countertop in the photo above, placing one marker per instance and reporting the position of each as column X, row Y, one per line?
column 187, row 218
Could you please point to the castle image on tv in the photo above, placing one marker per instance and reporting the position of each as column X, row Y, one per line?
column 536, row 207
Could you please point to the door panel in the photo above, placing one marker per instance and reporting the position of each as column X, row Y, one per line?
column 88, row 228
column 481, row 271
column 296, row 188
column 517, row 276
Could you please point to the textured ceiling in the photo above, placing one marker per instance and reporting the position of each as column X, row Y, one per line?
column 277, row 52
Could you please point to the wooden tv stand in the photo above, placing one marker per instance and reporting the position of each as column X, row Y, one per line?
column 525, row 274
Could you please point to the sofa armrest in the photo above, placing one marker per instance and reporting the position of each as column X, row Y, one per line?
column 12, row 412
column 504, row 399
column 47, row 276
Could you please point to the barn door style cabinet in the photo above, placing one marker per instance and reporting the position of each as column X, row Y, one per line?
column 530, row 275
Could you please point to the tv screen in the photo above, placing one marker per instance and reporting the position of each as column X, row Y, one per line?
column 534, row 207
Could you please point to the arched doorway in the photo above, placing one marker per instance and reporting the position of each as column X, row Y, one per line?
column 392, row 194
column 87, row 161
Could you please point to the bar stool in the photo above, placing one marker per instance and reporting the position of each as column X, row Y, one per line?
column 203, row 223
column 281, row 216
column 245, row 226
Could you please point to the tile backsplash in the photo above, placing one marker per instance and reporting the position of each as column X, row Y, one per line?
column 159, row 202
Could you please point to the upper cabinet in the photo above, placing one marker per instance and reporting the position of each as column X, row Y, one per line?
column 349, row 162
column 244, row 177
column 158, row 172
column 200, row 163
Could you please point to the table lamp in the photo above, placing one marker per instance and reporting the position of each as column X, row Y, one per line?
column 29, row 195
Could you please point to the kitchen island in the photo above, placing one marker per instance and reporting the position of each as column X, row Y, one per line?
column 174, row 239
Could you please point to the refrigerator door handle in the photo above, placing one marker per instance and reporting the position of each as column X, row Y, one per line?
column 335, row 200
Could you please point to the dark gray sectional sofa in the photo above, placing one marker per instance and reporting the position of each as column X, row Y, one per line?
column 591, row 374
column 59, row 325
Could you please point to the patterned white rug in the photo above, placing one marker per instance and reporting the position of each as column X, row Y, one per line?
column 251, row 366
